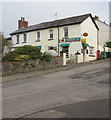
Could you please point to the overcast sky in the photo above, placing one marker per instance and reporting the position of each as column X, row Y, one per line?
column 36, row 12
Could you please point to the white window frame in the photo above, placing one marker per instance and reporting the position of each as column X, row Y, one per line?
column 25, row 38
column 65, row 32
column 38, row 36
column 51, row 35
column 18, row 39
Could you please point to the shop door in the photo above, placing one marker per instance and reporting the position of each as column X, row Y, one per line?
column 66, row 50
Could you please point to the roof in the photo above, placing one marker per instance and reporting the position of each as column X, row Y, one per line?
column 104, row 23
column 55, row 23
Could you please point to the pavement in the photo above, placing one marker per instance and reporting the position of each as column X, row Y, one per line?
column 68, row 85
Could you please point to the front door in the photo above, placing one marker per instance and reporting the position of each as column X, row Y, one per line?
column 66, row 50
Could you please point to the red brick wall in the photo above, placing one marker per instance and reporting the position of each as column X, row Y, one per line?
column 22, row 24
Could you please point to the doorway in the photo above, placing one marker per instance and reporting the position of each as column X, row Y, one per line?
column 66, row 50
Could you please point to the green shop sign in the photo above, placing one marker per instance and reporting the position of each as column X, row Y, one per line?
column 72, row 39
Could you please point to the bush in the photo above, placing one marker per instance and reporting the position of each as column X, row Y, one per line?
column 46, row 57
column 9, row 57
column 108, row 44
column 22, row 57
column 25, row 53
column 32, row 51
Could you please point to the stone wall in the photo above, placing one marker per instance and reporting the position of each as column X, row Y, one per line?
column 22, row 67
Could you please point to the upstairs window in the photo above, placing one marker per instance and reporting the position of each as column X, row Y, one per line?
column 17, row 39
column 65, row 32
column 38, row 36
column 25, row 38
column 51, row 34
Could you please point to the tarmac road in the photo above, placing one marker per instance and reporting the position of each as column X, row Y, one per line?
column 87, row 109
column 77, row 84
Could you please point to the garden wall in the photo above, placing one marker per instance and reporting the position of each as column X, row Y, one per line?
column 22, row 67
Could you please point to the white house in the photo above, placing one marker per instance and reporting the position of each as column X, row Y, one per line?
column 103, row 33
column 63, row 35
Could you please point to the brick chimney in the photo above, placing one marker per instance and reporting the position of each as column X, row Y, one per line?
column 96, row 18
column 22, row 23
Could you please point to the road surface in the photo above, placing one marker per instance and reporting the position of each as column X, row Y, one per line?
column 27, row 96
column 87, row 109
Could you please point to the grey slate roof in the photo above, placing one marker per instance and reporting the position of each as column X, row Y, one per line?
column 55, row 23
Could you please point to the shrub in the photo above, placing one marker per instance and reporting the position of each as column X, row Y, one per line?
column 22, row 57
column 9, row 57
column 108, row 44
column 46, row 57
column 25, row 53
column 32, row 51
column 21, row 52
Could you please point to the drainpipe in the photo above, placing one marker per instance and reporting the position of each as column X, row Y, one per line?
column 97, row 40
column 58, row 40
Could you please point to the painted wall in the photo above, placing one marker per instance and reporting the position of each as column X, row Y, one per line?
column 89, row 27
column 103, row 33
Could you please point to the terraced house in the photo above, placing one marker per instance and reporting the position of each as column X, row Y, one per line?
column 68, row 35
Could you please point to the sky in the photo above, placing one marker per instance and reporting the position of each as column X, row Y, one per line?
column 37, row 12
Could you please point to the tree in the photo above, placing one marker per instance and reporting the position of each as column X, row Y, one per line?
column 108, row 44
column 5, row 41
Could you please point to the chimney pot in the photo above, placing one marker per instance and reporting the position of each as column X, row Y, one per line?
column 96, row 17
column 22, row 23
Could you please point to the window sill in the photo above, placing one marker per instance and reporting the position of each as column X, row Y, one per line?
column 66, row 37
column 23, row 42
column 92, row 55
column 50, row 39
column 37, row 41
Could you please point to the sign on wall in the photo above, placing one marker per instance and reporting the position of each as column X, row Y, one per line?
column 85, row 34
column 73, row 39
column 83, row 41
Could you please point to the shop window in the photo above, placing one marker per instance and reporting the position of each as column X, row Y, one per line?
column 91, row 50
column 86, row 51
column 52, row 48
column 81, row 50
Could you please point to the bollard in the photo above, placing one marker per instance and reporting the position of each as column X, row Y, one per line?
column 76, row 54
column 76, row 58
column 64, row 59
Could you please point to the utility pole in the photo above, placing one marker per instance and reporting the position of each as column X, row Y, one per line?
column 56, row 15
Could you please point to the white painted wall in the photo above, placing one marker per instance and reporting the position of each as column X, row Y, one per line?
column 103, row 33
column 73, row 31
column 89, row 27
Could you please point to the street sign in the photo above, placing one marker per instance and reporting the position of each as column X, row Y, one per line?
column 85, row 34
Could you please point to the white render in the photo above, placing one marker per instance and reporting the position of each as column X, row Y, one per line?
column 103, row 34
column 88, row 27
column 75, row 30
